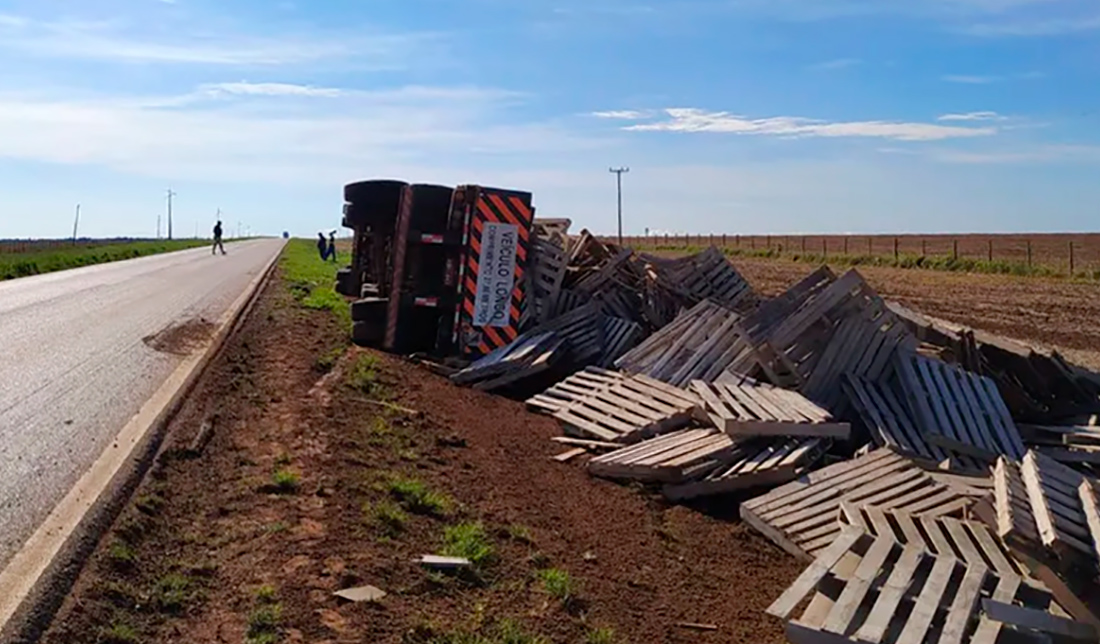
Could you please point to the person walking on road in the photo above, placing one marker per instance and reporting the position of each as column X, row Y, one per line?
column 218, row 239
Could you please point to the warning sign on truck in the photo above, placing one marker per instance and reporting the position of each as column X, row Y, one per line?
column 496, row 275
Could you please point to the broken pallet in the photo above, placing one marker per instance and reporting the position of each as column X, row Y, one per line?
column 763, row 410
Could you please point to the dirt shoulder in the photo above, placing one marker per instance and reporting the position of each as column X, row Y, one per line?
column 309, row 485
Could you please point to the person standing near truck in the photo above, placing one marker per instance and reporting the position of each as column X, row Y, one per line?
column 218, row 239
column 332, row 246
column 322, row 246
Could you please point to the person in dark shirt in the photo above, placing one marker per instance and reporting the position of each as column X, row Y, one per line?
column 332, row 245
column 218, row 239
column 322, row 246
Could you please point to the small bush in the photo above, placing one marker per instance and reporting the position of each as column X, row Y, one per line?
column 469, row 541
column 363, row 375
column 266, row 594
column 263, row 624
column 172, row 593
column 120, row 633
column 327, row 361
column 520, row 533
column 512, row 632
column 121, row 554
column 285, row 481
column 388, row 517
column 557, row 583
column 415, row 497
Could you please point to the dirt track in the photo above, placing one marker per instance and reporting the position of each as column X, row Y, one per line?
column 1050, row 312
column 187, row 560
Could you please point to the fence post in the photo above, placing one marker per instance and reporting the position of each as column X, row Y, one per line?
column 1029, row 253
column 723, row 241
column 1071, row 259
column 711, row 239
column 768, row 241
column 923, row 247
column 825, row 246
column 990, row 250
column 845, row 244
column 803, row 243
column 895, row 250
column 955, row 249
column 737, row 238
column 870, row 247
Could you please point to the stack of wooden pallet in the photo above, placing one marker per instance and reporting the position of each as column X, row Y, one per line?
column 1038, row 385
column 705, row 276
column 873, row 587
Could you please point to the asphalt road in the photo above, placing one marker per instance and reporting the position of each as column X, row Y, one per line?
column 77, row 362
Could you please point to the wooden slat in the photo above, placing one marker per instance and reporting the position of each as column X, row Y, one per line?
column 897, row 584
column 1002, row 611
column 988, row 630
column 813, row 574
column 962, row 609
column 928, row 601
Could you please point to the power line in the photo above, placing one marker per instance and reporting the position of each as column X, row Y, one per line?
column 618, row 172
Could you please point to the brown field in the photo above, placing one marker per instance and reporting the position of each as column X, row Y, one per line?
column 1048, row 312
column 1049, row 250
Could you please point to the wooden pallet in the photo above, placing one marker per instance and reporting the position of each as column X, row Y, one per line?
column 973, row 541
column 667, row 459
column 581, row 384
column 628, row 411
column 1054, row 494
column 547, row 275
column 1015, row 520
column 888, row 419
column 873, row 589
column 755, row 463
column 698, row 345
column 763, row 410
column 958, row 410
column 619, row 336
column 530, row 355
column 802, row 516
column 864, row 345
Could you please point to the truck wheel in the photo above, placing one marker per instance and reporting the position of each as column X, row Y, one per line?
column 369, row 309
column 372, row 203
column 431, row 208
column 345, row 282
column 367, row 334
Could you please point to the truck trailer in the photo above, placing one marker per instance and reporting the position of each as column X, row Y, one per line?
column 437, row 270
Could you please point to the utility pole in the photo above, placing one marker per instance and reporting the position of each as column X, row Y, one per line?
column 170, row 195
column 76, row 223
column 618, row 172
column 158, row 226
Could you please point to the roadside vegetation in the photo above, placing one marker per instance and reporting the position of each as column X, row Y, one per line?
column 24, row 261
column 313, row 282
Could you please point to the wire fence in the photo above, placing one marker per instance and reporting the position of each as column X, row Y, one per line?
column 1076, row 254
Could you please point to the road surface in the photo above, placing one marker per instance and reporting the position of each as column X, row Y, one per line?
column 82, row 350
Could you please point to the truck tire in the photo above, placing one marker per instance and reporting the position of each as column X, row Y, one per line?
column 369, row 309
column 366, row 334
column 431, row 208
column 373, row 203
column 345, row 282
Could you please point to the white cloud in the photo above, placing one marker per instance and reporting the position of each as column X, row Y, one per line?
column 1037, row 154
column 973, row 116
column 267, row 138
column 270, row 89
column 696, row 120
column 623, row 115
column 1036, row 27
column 116, row 41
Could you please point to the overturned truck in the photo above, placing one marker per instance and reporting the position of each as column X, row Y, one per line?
column 438, row 270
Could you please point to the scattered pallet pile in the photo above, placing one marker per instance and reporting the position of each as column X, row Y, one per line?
column 940, row 482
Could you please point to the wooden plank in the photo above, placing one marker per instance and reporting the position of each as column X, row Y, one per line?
column 909, row 530
column 941, row 547
column 991, row 548
column 988, row 630
column 858, row 586
column 928, row 601
column 962, row 609
column 570, row 455
column 838, row 474
column 1038, row 620
column 1029, row 471
column 813, row 574
column 897, row 585
column 1091, row 509
column 961, row 539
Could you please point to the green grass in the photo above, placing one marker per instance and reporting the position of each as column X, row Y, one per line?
column 312, row 281
column 172, row 593
column 415, row 497
column 285, row 481
column 122, row 554
column 326, row 362
column 557, row 583
column 120, row 633
column 265, row 619
column 600, row 636
column 363, row 375
column 469, row 541
column 388, row 517
column 54, row 257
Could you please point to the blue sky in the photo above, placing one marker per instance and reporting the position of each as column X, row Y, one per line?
column 750, row 116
